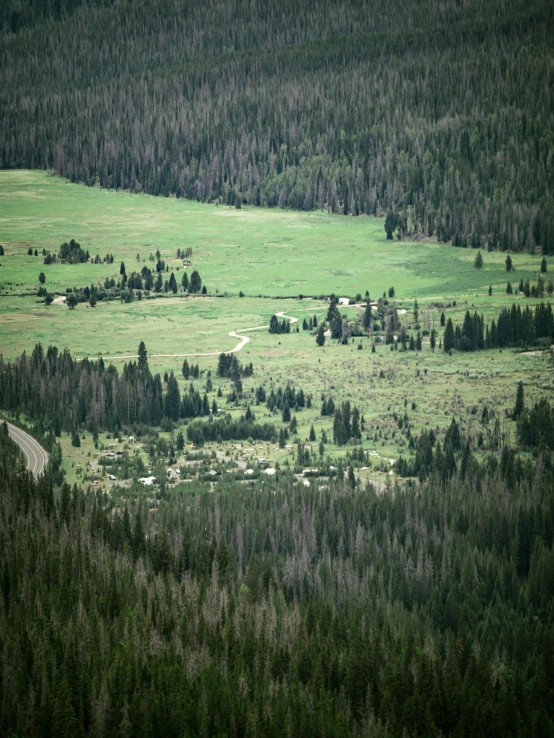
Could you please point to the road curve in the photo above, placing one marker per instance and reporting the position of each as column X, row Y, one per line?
column 243, row 340
column 36, row 456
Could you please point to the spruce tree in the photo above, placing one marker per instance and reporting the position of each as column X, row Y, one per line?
column 142, row 356
column 320, row 337
column 64, row 719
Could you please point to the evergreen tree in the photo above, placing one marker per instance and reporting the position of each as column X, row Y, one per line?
column 64, row 719
column 448, row 341
column 195, row 282
column 391, row 224
column 520, row 401
column 172, row 402
column 320, row 337
column 142, row 356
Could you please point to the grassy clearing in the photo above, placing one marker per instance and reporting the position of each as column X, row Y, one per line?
column 267, row 255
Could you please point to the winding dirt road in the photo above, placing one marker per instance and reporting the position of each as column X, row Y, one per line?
column 36, row 456
column 243, row 340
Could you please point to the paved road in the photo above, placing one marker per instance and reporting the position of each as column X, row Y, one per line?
column 36, row 456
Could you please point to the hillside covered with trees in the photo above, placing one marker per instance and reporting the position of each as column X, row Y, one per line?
column 439, row 112
column 287, row 611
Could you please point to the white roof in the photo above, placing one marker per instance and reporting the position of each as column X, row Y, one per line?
column 270, row 472
column 148, row 481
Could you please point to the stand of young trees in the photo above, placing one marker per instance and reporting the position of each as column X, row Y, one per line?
column 66, row 394
column 515, row 327
column 235, row 104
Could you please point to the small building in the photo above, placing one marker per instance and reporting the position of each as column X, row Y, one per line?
column 147, row 481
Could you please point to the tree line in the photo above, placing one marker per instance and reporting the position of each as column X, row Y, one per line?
column 514, row 327
column 280, row 109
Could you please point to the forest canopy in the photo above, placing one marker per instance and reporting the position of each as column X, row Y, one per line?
column 441, row 113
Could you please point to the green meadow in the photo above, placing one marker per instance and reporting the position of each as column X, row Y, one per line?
column 274, row 257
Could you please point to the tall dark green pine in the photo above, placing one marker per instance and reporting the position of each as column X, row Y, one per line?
column 172, row 401
column 142, row 356
column 520, row 401
column 64, row 719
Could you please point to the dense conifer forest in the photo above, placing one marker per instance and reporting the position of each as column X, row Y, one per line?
column 284, row 612
column 439, row 112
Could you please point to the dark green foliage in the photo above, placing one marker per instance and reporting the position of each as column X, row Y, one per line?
column 391, row 223
column 229, row 366
column 71, row 301
column 448, row 341
column 535, row 427
column 172, row 400
column 463, row 148
column 227, row 429
column 520, row 401
column 286, row 397
column 514, row 327
column 195, row 284
column 142, row 356
column 346, row 424
column 320, row 337
column 279, row 327
column 401, row 605
column 102, row 396
column 72, row 253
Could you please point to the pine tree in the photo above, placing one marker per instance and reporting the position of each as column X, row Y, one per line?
column 142, row 356
column 172, row 402
column 195, row 282
column 320, row 337
column 64, row 719
column 448, row 341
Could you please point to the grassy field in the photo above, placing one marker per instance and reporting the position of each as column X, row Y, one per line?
column 268, row 255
